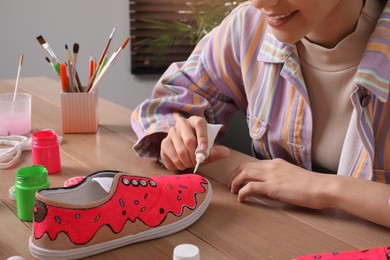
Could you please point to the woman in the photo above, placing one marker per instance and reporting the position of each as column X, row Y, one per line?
column 312, row 78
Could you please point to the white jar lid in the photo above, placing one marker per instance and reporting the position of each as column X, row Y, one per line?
column 11, row 193
column 186, row 252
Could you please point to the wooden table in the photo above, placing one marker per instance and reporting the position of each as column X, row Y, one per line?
column 260, row 228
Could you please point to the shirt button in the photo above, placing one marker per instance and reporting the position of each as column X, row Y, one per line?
column 365, row 100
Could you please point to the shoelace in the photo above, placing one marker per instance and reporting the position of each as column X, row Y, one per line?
column 17, row 144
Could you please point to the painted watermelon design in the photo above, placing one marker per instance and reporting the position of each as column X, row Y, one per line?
column 148, row 199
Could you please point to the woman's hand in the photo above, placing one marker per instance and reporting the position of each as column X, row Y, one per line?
column 281, row 180
column 286, row 182
column 178, row 148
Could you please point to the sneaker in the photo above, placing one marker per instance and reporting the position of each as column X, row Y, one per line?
column 110, row 209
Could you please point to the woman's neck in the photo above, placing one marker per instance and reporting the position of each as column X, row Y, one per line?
column 340, row 23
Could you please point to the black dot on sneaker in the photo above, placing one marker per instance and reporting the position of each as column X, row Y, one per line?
column 57, row 218
column 162, row 211
column 143, row 183
column 124, row 213
column 125, row 181
column 97, row 218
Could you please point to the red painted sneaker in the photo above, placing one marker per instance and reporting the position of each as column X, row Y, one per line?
column 111, row 209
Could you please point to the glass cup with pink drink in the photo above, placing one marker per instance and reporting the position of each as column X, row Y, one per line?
column 15, row 114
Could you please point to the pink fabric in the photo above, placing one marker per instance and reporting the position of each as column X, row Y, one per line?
column 73, row 181
column 378, row 253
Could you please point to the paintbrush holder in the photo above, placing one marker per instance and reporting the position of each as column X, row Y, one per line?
column 79, row 112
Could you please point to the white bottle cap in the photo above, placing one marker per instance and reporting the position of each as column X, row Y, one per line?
column 16, row 257
column 186, row 252
column 200, row 156
column 11, row 193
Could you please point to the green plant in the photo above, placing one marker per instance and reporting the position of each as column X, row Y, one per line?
column 205, row 16
column 210, row 14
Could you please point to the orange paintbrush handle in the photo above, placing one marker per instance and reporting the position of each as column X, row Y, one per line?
column 64, row 78
column 92, row 67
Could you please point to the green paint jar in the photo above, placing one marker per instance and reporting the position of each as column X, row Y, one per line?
column 28, row 181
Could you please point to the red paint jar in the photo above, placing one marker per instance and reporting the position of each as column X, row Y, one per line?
column 45, row 149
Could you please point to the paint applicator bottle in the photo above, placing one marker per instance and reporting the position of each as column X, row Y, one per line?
column 200, row 156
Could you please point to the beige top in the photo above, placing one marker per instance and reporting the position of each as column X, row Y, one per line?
column 329, row 76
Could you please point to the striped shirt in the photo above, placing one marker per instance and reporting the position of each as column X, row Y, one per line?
column 241, row 66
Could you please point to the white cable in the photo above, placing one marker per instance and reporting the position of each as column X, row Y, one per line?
column 16, row 145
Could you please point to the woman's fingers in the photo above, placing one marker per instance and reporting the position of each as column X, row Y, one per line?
column 169, row 155
column 199, row 124
column 245, row 173
column 178, row 148
column 281, row 180
column 252, row 188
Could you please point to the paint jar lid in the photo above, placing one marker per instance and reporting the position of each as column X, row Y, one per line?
column 31, row 176
column 11, row 193
column 186, row 252
column 45, row 137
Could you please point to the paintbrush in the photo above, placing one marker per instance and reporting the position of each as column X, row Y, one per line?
column 106, row 47
column 56, row 67
column 18, row 76
column 92, row 65
column 70, row 60
column 70, row 69
column 100, row 61
column 64, row 78
column 47, row 48
column 76, row 47
column 109, row 63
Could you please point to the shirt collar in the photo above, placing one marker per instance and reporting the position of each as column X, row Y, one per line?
column 274, row 51
column 374, row 69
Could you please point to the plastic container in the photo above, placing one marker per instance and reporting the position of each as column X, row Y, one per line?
column 15, row 115
column 28, row 181
column 45, row 149
column 79, row 112
column 186, row 252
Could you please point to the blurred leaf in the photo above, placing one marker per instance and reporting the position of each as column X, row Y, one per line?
column 207, row 15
